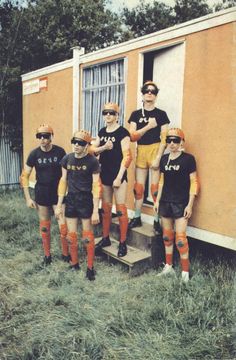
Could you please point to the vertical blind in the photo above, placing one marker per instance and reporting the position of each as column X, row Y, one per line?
column 101, row 84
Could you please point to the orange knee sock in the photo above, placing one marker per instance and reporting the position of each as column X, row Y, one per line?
column 185, row 264
column 168, row 238
column 44, row 227
column 64, row 242
column 106, row 218
column 73, row 244
column 183, row 248
column 90, row 247
column 121, row 210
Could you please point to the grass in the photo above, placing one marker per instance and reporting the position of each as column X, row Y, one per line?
column 53, row 313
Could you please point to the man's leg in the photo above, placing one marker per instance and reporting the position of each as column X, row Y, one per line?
column 107, row 194
column 168, row 238
column 72, row 237
column 139, row 186
column 121, row 210
column 44, row 214
column 88, row 241
column 182, row 246
column 63, row 235
column 155, row 176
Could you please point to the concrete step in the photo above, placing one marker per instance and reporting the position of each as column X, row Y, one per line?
column 136, row 260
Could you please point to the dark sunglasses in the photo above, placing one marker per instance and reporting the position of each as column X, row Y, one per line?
column 175, row 140
column 79, row 142
column 110, row 112
column 43, row 136
column 149, row 91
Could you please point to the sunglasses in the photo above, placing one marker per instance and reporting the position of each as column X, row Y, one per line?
column 79, row 142
column 110, row 112
column 175, row 140
column 43, row 136
column 149, row 91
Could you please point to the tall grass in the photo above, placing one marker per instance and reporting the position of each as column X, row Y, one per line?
column 53, row 313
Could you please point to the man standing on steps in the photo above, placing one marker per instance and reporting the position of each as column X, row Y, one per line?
column 148, row 126
column 113, row 145
column 46, row 161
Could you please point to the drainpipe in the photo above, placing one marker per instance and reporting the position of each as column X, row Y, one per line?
column 77, row 52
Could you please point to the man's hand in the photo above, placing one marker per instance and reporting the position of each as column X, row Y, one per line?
column 155, row 164
column 108, row 145
column 95, row 217
column 58, row 211
column 116, row 183
column 152, row 122
column 31, row 204
column 188, row 212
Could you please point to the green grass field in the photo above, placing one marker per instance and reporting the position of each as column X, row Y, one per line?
column 54, row 313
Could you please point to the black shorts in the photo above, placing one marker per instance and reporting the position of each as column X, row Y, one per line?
column 107, row 179
column 171, row 210
column 46, row 194
column 79, row 205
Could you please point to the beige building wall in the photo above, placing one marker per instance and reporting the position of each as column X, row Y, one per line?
column 209, row 122
column 53, row 106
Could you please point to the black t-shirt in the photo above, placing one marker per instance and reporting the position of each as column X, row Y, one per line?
column 152, row 136
column 176, row 177
column 110, row 160
column 80, row 172
column 47, row 164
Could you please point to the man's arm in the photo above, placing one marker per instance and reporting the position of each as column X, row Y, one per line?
column 135, row 134
column 24, row 182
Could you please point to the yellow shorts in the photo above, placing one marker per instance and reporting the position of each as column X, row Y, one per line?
column 146, row 154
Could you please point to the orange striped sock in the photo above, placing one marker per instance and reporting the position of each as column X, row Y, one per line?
column 44, row 227
column 90, row 247
column 185, row 264
column 73, row 244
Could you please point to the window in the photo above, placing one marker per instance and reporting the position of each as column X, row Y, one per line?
column 101, row 84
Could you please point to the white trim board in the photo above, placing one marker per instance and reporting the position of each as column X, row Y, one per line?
column 48, row 70
column 198, row 234
column 189, row 27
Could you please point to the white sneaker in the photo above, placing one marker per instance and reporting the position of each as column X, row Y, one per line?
column 168, row 269
column 185, row 276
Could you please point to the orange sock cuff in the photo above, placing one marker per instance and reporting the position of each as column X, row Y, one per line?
column 168, row 237
column 185, row 264
column 63, row 229
column 73, row 245
column 44, row 226
column 90, row 247
column 169, row 259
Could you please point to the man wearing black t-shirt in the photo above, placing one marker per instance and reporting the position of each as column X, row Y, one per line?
column 113, row 145
column 46, row 161
column 148, row 126
column 80, row 174
column 177, row 189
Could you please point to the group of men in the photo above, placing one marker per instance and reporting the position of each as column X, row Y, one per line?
column 72, row 184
